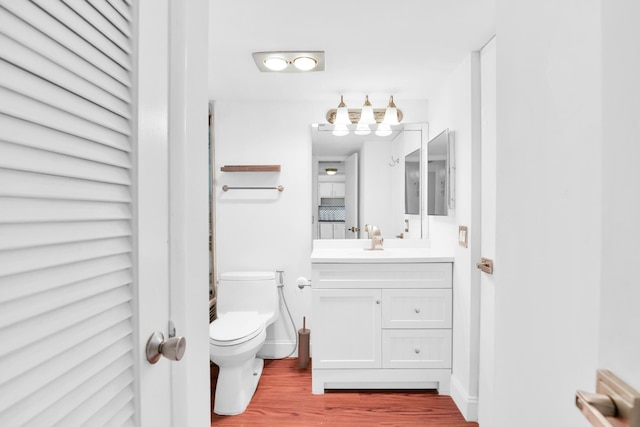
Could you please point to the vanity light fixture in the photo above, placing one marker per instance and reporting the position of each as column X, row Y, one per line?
column 331, row 171
column 289, row 61
column 390, row 119
column 364, row 118
column 342, row 119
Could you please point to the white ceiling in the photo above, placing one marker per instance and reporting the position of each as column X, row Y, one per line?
column 375, row 47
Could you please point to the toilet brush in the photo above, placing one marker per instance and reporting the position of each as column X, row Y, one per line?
column 303, row 345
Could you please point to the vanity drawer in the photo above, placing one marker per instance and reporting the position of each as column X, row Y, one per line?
column 416, row 348
column 416, row 308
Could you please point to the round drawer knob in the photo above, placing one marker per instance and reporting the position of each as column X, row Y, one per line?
column 417, row 351
column 417, row 310
column 377, row 301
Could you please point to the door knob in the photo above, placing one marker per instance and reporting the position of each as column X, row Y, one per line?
column 172, row 349
column 353, row 229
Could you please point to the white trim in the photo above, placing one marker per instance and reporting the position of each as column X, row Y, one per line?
column 188, row 205
column 468, row 405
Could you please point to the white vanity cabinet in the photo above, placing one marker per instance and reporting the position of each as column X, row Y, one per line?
column 381, row 325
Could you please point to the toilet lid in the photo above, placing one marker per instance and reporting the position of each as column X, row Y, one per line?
column 235, row 328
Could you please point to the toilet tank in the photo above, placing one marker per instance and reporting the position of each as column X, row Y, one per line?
column 249, row 291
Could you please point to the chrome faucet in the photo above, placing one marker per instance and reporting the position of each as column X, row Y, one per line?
column 374, row 235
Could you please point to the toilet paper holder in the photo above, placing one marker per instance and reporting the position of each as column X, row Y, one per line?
column 303, row 282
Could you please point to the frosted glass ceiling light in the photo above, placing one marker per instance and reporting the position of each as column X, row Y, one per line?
column 304, row 63
column 275, row 63
column 366, row 115
column 331, row 171
column 289, row 61
column 342, row 114
column 391, row 114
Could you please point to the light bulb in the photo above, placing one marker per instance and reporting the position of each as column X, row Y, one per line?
column 304, row 63
column 275, row 63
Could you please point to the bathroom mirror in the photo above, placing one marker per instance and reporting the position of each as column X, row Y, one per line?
column 365, row 176
column 412, row 183
column 440, row 167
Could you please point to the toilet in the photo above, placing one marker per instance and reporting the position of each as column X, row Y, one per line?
column 247, row 303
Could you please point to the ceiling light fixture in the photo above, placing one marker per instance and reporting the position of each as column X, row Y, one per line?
column 289, row 61
column 364, row 118
column 331, row 171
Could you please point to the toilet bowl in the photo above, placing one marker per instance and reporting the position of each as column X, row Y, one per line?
column 247, row 304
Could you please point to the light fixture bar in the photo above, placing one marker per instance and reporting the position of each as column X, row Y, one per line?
column 354, row 115
column 293, row 61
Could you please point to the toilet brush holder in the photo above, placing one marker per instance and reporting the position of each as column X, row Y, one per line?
column 303, row 345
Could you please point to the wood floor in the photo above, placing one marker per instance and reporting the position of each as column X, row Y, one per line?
column 284, row 399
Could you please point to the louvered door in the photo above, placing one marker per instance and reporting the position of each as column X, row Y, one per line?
column 68, row 283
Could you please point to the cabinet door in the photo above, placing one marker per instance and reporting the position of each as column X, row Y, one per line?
column 325, row 189
column 325, row 230
column 346, row 328
column 338, row 231
column 338, row 189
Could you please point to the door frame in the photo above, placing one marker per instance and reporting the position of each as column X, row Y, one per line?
column 172, row 167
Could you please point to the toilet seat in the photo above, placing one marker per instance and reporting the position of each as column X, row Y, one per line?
column 235, row 328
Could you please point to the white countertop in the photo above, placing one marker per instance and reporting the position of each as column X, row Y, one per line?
column 394, row 251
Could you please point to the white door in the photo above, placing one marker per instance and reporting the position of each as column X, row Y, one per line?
column 84, row 214
column 351, row 196
column 619, row 317
column 488, row 229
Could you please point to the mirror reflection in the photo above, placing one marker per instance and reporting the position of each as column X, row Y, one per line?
column 439, row 177
column 412, row 183
column 360, row 180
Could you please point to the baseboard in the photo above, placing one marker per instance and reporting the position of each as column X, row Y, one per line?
column 468, row 405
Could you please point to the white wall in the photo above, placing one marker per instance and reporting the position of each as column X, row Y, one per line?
column 452, row 108
column 548, row 226
column 620, row 291
column 267, row 230
column 264, row 229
